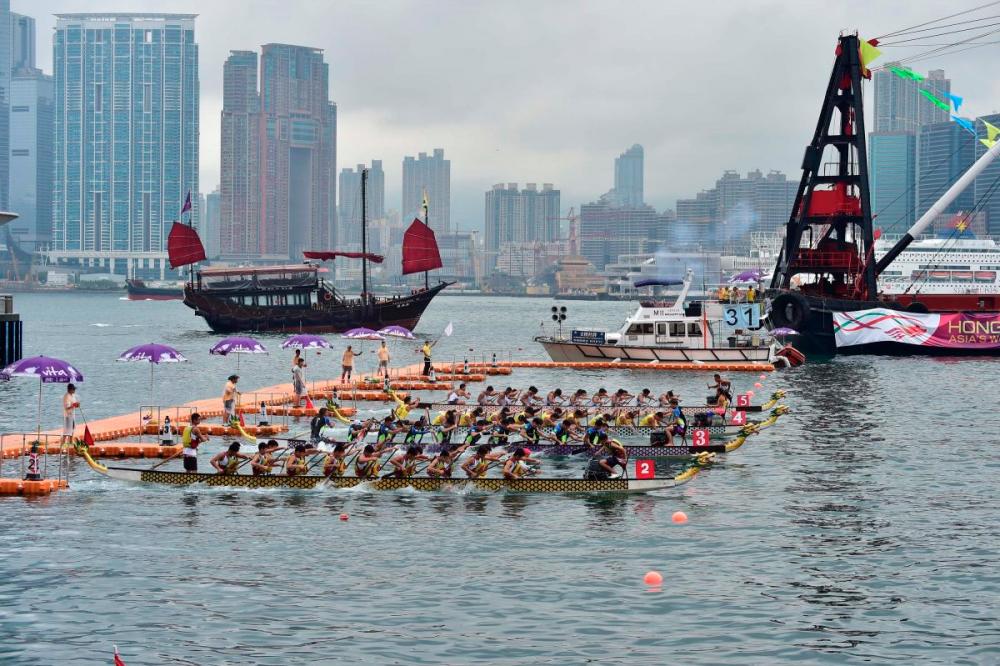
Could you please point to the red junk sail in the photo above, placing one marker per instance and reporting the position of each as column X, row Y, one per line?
column 325, row 255
column 183, row 246
column 420, row 249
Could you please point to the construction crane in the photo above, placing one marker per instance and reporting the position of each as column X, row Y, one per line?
column 574, row 230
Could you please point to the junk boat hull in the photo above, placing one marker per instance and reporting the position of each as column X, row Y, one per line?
column 140, row 291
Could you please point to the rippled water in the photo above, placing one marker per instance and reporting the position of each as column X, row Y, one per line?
column 864, row 527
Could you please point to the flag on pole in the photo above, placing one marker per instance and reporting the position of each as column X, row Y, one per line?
column 425, row 203
column 88, row 439
column 118, row 659
column 243, row 423
column 309, row 403
column 448, row 330
column 187, row 204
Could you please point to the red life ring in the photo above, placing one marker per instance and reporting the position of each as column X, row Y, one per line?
column 327, row 296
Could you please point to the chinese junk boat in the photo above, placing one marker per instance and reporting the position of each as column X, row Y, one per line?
column 140, row 290
column 294, row 297
column 825, row 285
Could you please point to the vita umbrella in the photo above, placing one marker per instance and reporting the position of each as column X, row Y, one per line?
column 154, row 354
column 48, row 371
column 782, row 331
column 753, row 275
column 396, row 332
column 237, row 345
column 305, row 341
column 362, row 333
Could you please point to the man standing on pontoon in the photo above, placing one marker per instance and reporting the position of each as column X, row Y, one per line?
column 71, row 402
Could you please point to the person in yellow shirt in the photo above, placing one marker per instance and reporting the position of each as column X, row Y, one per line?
column 751, row 294
column 426, row 351
column 652, row 420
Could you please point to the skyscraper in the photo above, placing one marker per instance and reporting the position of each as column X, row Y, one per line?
column 520, row 216
column 892, row 157
column 607, row 231
column 987, row 184
column 210, row 219
column 239, row 175
column 22, row 42
column 126, row 136
column 899, row 105
column 298, row 151
column 31, row 158
column 433, row 175
column 349, row 214
column 944, row 152
column 5, row 69
column 278, row 174
column 629, row 177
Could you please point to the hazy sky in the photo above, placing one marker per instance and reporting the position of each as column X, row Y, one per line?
column 553, row 91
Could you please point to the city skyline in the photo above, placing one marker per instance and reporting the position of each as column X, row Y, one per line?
column 388, row 109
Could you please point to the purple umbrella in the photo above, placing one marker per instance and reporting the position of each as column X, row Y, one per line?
column 48, row 370
column 154, row 354
column 782, row 331
column 237, row 345
column 752, row 275
column 362, row 334
column 305, row 341
column 397, row 332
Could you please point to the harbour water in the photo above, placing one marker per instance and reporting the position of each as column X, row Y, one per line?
column 862, row 528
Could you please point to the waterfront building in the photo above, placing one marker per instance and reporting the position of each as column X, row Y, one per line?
column 430, row 174
column 211, row 218
column 5, row 71
column 629, row 168
column 278, row 172
column 126, row 138
column 31, row 158
column 899, row 106
column 22, row 42
column 239, row 188
column 987, row 183
column 944, row 152
column 520, row 216
column 349, row 212
column 892, row 158
column 607, row 231
column 726, row 215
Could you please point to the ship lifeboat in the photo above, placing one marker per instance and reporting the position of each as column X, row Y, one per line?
column 790, row 357
column 986, row 276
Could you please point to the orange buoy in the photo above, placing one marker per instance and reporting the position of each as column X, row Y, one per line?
column 679, row 517
column 343, row 516
column 653, row 578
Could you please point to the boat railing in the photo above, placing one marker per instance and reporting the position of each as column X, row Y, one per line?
column 17, row 449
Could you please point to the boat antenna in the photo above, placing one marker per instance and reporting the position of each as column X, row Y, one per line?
column 427, row 221
column 364, row 236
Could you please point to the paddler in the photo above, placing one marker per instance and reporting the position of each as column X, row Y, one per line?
column 405, row 464
column 554, row 398
column 549, row 419
column 530, row 397
column 596, row 434
column 721, row 383
column 403, row 406
column 516, row 466
column 226, row 462
column 646, row 398
column 367, row 465
column 444, row 429
column 526, row 415
column 500, row 432
column 652, row 420
column 475, row 433
column 191, row 438
column 477, row 465
column 487, row 397
column 262, row 463
column 441, row 465
column 721, row 405
column 387, row 431
column 565, row 431
column 416, row 432
column 601, row 398
column 601, row 469
column 459, row 396
column 579, row 399
column 296, row 464
column 335, row 463
column 358, row 429
column 626, row 418
column 678, row 425
column 469, row 418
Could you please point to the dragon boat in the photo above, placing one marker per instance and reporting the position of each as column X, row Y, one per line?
column 612, row 486
column 652, row 450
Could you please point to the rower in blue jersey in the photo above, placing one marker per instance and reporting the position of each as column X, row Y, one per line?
column 500, row 432
column 416, row 432
column 387, row 431
column 565, row 431
column 475, row 432
column 597, row 433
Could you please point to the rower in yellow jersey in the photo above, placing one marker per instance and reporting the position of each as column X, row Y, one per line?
column 263, row 462
column 296, row 464
column 335, row 463
column 652, row 420
column 478, row 464
column 226, row 462
column 516, row 466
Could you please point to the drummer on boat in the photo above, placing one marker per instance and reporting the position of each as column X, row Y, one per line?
column 603, row 468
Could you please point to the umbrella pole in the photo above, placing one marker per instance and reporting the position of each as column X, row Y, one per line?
column 38, row 432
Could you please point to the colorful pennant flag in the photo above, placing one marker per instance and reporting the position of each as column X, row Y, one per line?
column 187, row 204
column 956, row 100
column 965, row 123
column 991, row 134
column 944, row 106
column 88, row 439
column 869, row 52
column 309, row 403
column 906, row 73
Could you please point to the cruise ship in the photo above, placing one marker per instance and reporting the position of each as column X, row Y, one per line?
column 943, row 274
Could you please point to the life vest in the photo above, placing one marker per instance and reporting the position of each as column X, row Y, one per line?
column 296, row 467
column 334, row 466
column 265, row 461
column 531, row 433
column 229, row 464
column 384, row 431
column 479, row 469
column 473, row 435
column 518, row 470
column 413, row 435
column 367, row 470
column 562, row 433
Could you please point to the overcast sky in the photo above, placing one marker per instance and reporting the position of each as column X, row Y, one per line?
column 552, row 91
